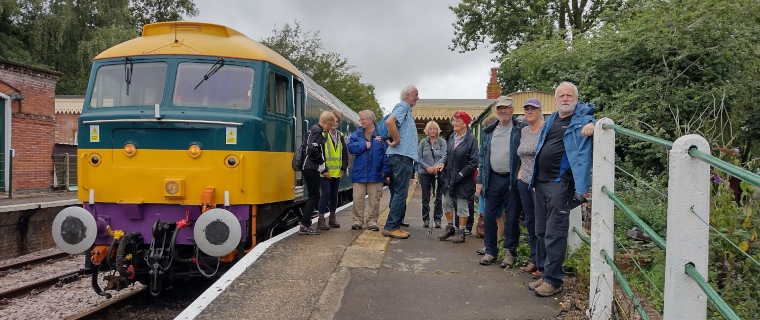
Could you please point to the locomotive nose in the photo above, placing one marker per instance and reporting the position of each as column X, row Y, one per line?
column 74, row 230
column 217, row 232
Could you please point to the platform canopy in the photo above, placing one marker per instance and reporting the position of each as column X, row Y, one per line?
column 441, row 111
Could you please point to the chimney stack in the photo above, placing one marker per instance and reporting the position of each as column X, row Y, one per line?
column 493, row 91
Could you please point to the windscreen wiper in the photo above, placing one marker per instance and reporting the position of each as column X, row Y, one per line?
column 128, row 66
column 214, row 68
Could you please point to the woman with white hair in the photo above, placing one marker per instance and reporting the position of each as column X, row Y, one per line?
column 432, row 155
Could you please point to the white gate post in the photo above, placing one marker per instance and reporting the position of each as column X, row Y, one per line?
column 602, row 222
column 687, row 236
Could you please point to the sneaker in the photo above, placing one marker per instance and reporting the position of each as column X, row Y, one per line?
column 309, row 231
column 547, row 290
column 356, row 226
column 487, row 259
column 447, row 232
column 396, row 234
column 438, row 224
column 481, row 251
column 404, row 224
column 529, row 268
column 467, row 232
column 459, row 236
column 426, row 224
column 373, row 228
column 535, row 284
column 508, row 261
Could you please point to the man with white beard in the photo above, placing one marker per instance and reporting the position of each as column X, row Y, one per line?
column 561, row 176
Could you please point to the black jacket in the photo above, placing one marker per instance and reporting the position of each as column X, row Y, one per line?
column 459, row 171
column 315, row 149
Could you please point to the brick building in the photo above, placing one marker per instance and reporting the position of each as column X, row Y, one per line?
column 27, row 121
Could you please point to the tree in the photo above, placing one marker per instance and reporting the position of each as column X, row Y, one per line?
column 152, row 11
column 506, row 24
column 304, row 49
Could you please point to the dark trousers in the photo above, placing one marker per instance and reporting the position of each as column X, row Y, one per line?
column 311, row 178
column 499, row 195
column 329, row 190
column 553, row 203
column 527, row 199
column 429, row 183
column 401, row 168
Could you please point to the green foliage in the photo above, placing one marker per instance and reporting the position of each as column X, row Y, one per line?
column 305, row 50
column 152, row 11
column 507, row 24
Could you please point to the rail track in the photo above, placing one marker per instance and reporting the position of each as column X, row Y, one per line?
column 23, row 265
column 105, row 310
column 42, row 285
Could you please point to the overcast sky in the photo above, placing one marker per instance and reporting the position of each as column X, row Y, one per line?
column 393, row 43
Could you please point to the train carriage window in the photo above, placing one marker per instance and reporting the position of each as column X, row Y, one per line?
column 129, row 84
column 198, row 85
column 277, row 94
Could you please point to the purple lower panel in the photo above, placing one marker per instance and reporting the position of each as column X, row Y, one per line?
column 141, row 217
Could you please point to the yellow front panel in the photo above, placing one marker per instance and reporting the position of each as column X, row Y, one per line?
column 259, row 177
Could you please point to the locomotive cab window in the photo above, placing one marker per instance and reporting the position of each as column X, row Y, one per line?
column 129, row 84
column 277, row 94
column 213, row 85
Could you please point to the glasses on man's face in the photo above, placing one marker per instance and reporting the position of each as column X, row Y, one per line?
column 504, row 108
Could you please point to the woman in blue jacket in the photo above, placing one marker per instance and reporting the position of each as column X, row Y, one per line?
column 369, row 172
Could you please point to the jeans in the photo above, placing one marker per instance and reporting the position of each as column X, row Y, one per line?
column 329, row 189
column 553, row 202
column 311, row 178
column 527, row 199
column 401, row 172
column 428, row 182
column 499, row 195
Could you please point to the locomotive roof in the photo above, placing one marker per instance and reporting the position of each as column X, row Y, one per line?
column 196, row 38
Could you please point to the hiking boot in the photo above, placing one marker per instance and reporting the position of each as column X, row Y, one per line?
column 459, row 236
column 333, row 221
column 438, row 224
column 322, row 225
column 356, row 226
column 508, row 261
column 535, row 284
column 547, row 290
column 426, row 224
column 487, row 259
column 529, row 268
column 404, row 232
column 373, row 228
column 447, row 232
column 309, row 231
column 537, row 274
column 396, row 234
column 481, row 251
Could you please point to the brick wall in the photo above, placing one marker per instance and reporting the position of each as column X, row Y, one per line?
column 66, row 124
column 33, row 124
column 27, row 231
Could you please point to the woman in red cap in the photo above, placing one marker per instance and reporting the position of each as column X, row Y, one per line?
column 458, row 175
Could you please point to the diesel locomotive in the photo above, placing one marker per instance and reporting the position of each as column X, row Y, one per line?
column 184, row 150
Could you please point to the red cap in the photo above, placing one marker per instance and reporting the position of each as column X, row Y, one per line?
column 464, row 116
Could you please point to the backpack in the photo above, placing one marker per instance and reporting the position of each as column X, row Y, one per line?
column 299, row 157
column 382, row 129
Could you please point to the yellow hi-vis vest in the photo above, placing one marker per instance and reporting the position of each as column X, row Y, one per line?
column 334, row 154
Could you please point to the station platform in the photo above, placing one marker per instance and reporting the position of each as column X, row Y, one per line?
column 359, row 274
column 26, row 201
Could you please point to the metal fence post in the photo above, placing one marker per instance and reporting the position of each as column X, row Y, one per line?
column 10, row 174
column 602, row 222
column 66, row 172
column 688, row 235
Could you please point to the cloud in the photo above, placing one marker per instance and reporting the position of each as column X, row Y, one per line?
column 393, row 43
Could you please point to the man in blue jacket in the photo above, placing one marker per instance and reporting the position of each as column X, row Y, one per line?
column 369, row 171
column 560, row 177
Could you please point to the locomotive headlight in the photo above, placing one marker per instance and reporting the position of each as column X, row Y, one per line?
column 95, row 159
column 173, row 188
column 194, row 151
column 231, row 161
column 129, row 149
